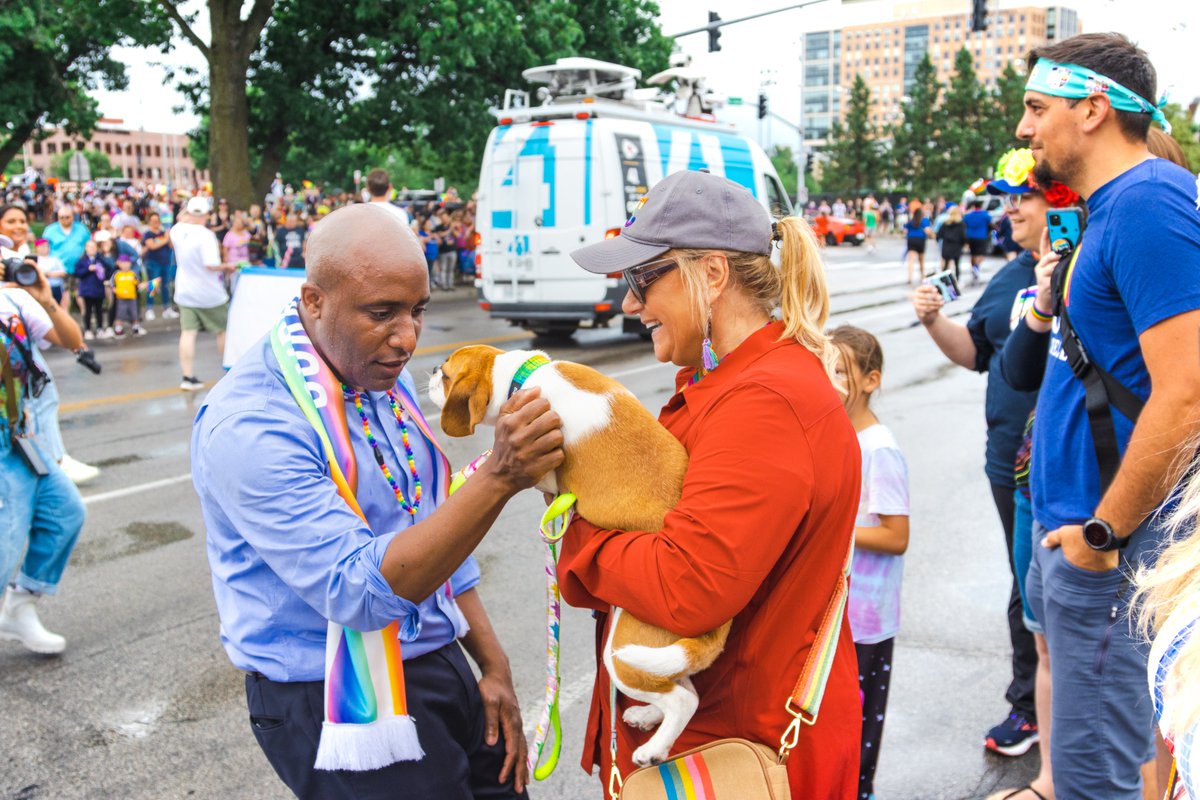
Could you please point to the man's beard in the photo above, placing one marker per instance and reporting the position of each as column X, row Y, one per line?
column 1066, row 173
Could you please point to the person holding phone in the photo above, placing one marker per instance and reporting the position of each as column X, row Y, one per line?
column 978, row 345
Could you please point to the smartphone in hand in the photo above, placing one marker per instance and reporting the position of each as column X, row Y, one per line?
column 1065, row 229
column 947, row 284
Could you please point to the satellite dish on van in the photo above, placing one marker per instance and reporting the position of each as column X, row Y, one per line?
column 690, row 90
column 575, row 76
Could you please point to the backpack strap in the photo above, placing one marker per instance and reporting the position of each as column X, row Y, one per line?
column 1101, row 390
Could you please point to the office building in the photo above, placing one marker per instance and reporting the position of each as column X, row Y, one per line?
column 887, row 53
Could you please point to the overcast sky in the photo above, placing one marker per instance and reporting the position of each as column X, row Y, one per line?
column 752, row 52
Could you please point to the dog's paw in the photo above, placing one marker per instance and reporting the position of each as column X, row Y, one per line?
column 648, row 756
column 643, row 718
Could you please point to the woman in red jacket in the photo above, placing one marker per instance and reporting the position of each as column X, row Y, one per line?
column 761, row 532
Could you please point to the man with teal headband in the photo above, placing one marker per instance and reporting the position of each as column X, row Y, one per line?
column 1110, row 431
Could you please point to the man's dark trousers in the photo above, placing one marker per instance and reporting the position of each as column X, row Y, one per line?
column 443, row 698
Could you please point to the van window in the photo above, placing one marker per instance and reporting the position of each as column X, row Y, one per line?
column 777, row 200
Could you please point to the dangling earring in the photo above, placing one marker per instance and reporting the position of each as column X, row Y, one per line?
column 708, row 356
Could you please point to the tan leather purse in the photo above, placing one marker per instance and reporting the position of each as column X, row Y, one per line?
column 738, row 769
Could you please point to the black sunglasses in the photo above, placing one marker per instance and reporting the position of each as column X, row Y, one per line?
column 642, row 276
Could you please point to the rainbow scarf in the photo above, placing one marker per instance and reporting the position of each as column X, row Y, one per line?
column 367, row 725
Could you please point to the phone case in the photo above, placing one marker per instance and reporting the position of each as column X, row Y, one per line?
column 31, row 456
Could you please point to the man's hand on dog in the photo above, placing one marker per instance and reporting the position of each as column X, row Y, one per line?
column 529, row 441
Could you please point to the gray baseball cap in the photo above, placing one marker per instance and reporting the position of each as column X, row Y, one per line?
column 687, row 209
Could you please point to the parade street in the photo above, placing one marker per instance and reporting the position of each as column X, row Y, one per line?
column 144, row 703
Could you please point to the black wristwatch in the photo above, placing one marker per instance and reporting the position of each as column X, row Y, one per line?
column 1099, row 535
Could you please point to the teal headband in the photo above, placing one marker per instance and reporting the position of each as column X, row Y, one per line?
column 1074, row 81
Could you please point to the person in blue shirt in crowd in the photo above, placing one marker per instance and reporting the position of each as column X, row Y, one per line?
column 288, row 554
column 1132, row 295
column 916, row 233
column 979, row 225
column 67, row 236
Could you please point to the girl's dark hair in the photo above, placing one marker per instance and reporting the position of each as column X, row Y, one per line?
column 860, row 348
column 918, row 214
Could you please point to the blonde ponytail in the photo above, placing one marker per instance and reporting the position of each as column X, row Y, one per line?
column 803, row 295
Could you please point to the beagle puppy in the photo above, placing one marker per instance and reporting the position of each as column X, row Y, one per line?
column 604, row 426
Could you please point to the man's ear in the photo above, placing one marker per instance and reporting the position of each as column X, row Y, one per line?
column 312, row 298
column 1097, row 108
column 466, row 404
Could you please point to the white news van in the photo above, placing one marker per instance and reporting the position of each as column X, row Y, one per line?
column 567, row 173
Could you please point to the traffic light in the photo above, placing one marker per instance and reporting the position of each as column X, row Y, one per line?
column 762, row 104
column 714, row 32
column 978, row 15
column 808, row 164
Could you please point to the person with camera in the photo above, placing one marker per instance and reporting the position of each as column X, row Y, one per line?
column 1120, row 394
column 979, row 345
column 45, row 512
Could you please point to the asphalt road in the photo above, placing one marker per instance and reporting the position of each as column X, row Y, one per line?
column 144, row 703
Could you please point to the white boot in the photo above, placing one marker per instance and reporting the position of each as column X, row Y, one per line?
column 19, row 623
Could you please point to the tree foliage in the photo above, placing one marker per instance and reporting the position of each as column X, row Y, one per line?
column 784, row 160
column 1005, row 105
column 915, row 153
column 98, row 163
column 52, row 52
column 331, row 82
column 1185, row 131
column 854, row 159
column 966, row 147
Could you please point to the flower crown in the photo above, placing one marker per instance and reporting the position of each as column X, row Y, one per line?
column 1016, row 169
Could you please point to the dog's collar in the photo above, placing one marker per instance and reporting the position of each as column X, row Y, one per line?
column 531, row 365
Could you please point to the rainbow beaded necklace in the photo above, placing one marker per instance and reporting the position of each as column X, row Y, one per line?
column 410, row 507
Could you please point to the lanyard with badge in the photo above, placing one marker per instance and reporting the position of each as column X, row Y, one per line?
column 21, row 442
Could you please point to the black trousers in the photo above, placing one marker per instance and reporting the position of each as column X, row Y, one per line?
column 874, row 678
column 443, row 698
column 1024, row 658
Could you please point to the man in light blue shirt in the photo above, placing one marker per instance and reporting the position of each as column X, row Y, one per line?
column 67, row 237
column 288, row 554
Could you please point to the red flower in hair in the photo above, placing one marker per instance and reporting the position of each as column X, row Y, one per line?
column 1059, row 195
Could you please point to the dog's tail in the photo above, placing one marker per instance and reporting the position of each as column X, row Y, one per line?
column 684, row 657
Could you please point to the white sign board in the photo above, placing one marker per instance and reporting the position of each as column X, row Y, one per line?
column 258, row 299
column 78, row 168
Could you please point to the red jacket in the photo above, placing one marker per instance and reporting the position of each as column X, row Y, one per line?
column 760, row 536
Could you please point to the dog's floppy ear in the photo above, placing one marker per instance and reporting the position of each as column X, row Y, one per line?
column 466, row 403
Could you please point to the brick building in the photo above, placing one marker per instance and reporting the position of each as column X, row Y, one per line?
column 141, row 155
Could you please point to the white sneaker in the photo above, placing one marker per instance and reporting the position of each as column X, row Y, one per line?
column 150, row 314
column 191, row 384
column 138, row 330
column 79, row 472
column 88, row 336
column 19, row 623
column 170, row 313
column 108, row 333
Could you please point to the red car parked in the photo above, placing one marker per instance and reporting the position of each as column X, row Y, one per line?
column 837, row 230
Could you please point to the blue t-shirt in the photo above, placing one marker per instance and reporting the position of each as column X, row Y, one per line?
column 977, row 223
column 1138, row 265
column 916, row 230
column 1001, row 306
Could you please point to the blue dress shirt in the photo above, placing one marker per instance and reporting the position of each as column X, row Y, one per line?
column 286, row 551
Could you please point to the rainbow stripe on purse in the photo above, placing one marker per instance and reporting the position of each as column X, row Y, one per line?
column 687, row 778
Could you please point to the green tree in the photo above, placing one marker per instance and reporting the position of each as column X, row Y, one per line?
column 98, row 163
column 234, row 39
column 52, row 52
column 854, row 160
column 915, row 138
column 784, row 160
column 413, row 80
column 1006, row 104
column 963, row 112
column 1185, row 131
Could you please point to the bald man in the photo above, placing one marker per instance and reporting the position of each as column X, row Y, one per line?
column 288, row 554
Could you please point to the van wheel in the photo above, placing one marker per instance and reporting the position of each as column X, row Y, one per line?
column 557, row 331
column 831, row 240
